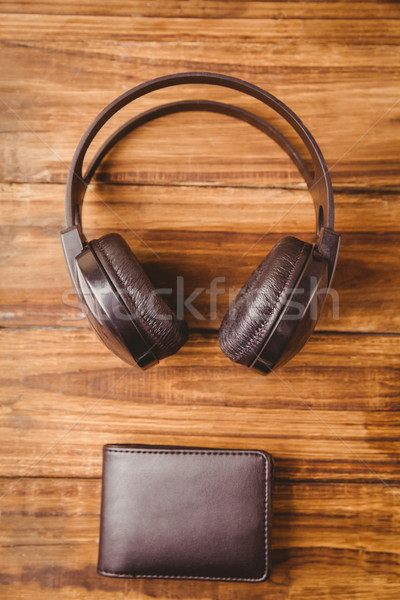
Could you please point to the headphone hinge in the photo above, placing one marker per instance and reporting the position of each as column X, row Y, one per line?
column 328, row 244
column 73, row 242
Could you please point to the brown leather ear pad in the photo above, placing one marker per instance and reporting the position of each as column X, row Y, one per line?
column 155, row 319
column 254, row 311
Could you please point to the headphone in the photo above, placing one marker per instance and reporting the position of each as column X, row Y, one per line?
column 275, row 312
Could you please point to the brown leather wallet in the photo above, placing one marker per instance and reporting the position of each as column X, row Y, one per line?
column 185, row 513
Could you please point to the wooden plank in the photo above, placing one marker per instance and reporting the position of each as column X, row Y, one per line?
column 49, row 300
column 323, row 534
column 331, row 96
column 201, row 191
column 200, row 208
column 329, row 415
column 360, row 10
column 198, row 234
column 186, row 152
column 28, row 26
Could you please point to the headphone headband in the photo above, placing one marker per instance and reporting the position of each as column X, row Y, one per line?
column 318, row 182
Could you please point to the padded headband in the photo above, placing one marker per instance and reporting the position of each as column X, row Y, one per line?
column 318, row 182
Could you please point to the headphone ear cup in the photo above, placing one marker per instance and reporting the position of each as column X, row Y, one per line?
column 253, row 313
column 156, row 321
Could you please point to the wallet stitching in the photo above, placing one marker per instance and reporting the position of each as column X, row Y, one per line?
column 211, row 453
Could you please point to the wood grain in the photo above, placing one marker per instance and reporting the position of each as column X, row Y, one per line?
column 199, row 234
column 330, row 414
column 201, row 196
column 59, row 56
column 251, row 9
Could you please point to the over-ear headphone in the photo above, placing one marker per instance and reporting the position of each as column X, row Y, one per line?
column 274, row 313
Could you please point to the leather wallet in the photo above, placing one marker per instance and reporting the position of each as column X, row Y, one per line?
column 185, row 513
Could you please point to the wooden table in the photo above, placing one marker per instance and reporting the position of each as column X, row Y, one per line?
column 201, row 196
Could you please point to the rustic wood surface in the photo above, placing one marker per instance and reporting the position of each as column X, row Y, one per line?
column 201, row 196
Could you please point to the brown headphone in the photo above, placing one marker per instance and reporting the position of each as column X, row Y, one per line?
column 275, row 312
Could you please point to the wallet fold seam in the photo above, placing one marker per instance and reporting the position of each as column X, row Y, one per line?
column 211, row 453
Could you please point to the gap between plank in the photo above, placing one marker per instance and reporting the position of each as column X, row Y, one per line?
column 204, row 331
column 281, row 480
column 299, row 187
